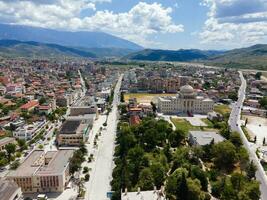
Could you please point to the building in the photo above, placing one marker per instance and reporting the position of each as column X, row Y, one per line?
column 73, row 132
column 9, row 190
column 29, row 106
column 5, row 141
column 43, row 172
column 27, row 132
column 186, row 101
column 144, row 195
column 201, row 138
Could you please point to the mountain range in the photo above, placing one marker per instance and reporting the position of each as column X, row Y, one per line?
column 65, row 38
column 26, row 41
column 250, row 57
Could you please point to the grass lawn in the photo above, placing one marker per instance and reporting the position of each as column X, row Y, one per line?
column 222, row 109
column 184, row 125
column 144, row 97
column 208, row 122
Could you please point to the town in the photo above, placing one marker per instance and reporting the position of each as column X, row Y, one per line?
column 90, row 130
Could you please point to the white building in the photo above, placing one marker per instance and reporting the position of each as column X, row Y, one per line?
column 186, row 101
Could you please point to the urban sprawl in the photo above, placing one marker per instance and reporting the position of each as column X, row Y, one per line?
column 79, row 129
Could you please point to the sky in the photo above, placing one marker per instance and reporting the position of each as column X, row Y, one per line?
column 158, row 24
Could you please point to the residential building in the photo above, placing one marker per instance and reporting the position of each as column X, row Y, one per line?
column 43, row 172
column 186, row 101
column 30, row 105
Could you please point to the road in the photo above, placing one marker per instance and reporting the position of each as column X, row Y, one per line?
column 235, row 124
column 101, row 173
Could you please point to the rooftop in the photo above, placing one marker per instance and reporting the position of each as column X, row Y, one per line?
column 143, row 195
column 205, row 137
column 34, row 164
column 70, row 126
column 7, row 189
column 6, row 140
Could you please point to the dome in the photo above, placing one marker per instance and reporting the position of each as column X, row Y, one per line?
column 187, row 89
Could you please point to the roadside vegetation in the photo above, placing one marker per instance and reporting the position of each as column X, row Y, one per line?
column 153, row 154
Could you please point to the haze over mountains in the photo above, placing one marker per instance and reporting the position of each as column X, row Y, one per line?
column 66, row 38
column 25, row 41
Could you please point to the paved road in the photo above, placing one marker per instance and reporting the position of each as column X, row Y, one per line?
column 102, row 173
column 235, row 124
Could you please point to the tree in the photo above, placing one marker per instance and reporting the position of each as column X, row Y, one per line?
column 22, row 144
column 146, row 179
column 86, row 177
column 42, row 101
column 158, row 174
column 194, row 190
column 182, row 188
column 14, row 165
column 258, row 75
column 85, row 170
column 10, row 149
column 236, row 139
column 177, row 137
column 198, row 173
column 251, row 170
column 225, row 155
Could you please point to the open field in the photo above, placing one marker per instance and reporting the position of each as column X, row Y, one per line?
column 222, row 109
column 258, row 127
column 144, row 97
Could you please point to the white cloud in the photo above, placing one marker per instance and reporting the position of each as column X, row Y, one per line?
column 235, row 23
column 137, row 24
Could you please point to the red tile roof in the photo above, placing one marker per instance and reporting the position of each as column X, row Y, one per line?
column 30, row 104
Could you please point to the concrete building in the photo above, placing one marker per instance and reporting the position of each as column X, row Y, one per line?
column 186, row 101
column 201, row 138
column 43, row 172
column 73, row 132
column 143, row 195
column 9, row 190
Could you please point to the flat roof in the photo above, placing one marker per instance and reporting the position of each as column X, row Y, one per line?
column 35, row 163
column 205, row 137
column 143, row 195
column 30, row 165
column 6, row 140
column 70, row 126
column 7, row 189
column 57, row 164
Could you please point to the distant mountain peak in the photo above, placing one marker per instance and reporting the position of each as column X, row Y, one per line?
column 65, row 38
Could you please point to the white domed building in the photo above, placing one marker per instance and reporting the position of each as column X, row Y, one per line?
column 186, row 101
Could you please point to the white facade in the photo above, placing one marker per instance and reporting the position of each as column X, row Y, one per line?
column 186, row 101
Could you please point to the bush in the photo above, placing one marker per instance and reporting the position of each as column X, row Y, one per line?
column 14, row 165
column 85, row 170
column 86, row 177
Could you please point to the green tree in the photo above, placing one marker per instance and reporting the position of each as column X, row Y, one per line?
column 236, row 139
column 10, row 149
column 225, row 155
column 251, row 170
column 158, row 174
column 177, row 137
column 146, row 181
column 182, row 188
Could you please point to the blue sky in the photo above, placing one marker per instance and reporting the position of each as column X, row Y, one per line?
column 162, row 24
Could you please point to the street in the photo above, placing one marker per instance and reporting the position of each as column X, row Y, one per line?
column 101, row 174
column 235, row 124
